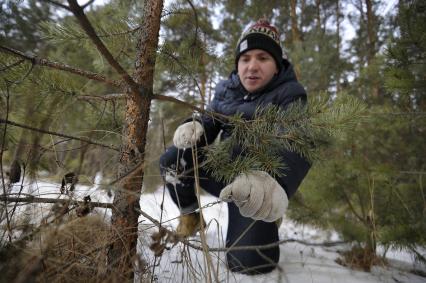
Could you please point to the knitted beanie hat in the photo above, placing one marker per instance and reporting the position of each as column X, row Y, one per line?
column 260, row 35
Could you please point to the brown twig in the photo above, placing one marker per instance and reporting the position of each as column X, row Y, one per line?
column 3, row 121
column 54, row 200
column 239, row 248
column 107, row 97
column 12, row 65
column 268, row 246
column 183, row 103
column 1, row 165
column 60, row 66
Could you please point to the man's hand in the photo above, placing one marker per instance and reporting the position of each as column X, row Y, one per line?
column 186, row 135
column 257, row 195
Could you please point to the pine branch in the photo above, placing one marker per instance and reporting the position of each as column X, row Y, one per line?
column 107, row 97
column 78, row 12
column 196, row 22
column 12, row 65
column 160, row 97
column 58, row 4
column 181, row 65
column 183, row 103
column 90, row 2
column 3, row 121
column 72, row 31
column 60, row 66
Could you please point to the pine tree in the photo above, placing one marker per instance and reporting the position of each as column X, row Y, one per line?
column 369, row 189
column 404, row 73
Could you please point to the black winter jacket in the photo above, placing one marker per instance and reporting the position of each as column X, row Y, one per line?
column 231, row 98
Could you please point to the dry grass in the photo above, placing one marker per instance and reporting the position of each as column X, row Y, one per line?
column 72, row 251
column 359, row 258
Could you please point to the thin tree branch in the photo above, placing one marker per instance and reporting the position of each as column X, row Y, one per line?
column 196, row 22
column 189, row 105
column 352, row 208
column 167, row 13
column 268, row 246
column 58, row 4
column 180, row 102
column 87, row 4
column 55, row 200
column 12, row 65
column 184, row 68
column 60, row 66
column 107, row 97
column 240, row 248
column 116, row 96
column 3, row 121
column 78, row 12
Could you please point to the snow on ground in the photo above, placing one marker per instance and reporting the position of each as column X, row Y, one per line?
column 298, row 262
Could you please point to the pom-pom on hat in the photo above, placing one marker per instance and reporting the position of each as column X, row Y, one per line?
column 260, row 35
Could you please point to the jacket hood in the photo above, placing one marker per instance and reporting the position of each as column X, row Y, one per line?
column 286, row 74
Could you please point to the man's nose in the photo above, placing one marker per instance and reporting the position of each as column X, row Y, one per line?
column 253, row 65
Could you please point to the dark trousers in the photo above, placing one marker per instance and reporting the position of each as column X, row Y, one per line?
column 182, row 191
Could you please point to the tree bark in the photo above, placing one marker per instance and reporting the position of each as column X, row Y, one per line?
column 370, row 32
column 372, row 41
column 318, row 14
column 294, row 26
column 295, row 32
column 338, row 72
column 122, row 252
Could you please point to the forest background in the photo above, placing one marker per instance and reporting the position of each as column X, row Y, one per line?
column 59, row 125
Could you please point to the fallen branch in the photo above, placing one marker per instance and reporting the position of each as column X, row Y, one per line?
column 185, row 241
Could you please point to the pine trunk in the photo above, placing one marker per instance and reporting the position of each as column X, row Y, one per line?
column 371, row 33
column 122, row 253
column 338, row 72
column 296, row 38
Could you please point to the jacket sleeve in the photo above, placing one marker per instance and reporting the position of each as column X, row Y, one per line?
column 211, row 124
column 296, row 166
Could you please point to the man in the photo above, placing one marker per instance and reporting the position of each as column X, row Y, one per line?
column 256, row 199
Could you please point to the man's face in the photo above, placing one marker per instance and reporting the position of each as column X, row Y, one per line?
column 256, row 68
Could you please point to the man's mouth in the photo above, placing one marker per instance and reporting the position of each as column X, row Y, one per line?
column 253, row 78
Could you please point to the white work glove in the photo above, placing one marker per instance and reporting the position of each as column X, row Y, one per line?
column 186, row 135
column 257, row 195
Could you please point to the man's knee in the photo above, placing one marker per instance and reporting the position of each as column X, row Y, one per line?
column 244, row 231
